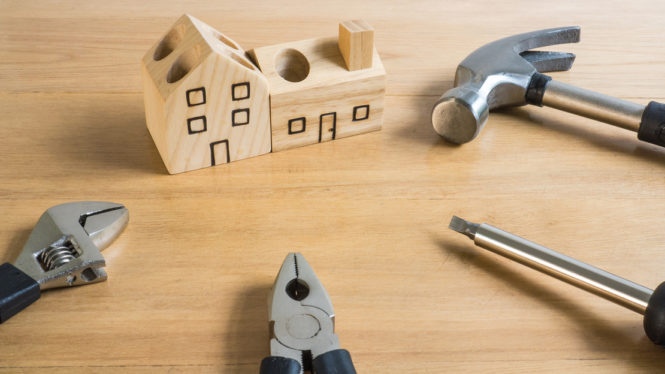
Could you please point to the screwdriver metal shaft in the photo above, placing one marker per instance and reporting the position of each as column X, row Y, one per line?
column 609, row 286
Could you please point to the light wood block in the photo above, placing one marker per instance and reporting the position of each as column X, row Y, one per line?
column 356, row 43
column 205, row 103
column 314, row 98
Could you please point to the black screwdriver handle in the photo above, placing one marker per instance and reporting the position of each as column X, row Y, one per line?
column 334, row 362
column 279, row 365
column 652, row 127
column 654, row 316
column 17, row 291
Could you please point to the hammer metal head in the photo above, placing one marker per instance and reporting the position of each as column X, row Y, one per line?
column 496, row 75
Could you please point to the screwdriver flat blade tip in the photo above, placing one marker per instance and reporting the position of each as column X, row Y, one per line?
column 463, row 227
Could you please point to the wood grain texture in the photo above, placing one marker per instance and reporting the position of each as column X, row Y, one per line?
column 205, row 103
column 188, row 279
column 314, row 98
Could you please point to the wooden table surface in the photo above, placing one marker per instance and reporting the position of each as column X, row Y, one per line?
column 189, row 277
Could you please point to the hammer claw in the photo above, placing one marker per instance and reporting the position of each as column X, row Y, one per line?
column 549, row 61
column 543, row 38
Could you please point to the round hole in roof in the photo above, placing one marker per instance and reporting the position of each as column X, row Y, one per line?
column 291, row 65
column 169, row 43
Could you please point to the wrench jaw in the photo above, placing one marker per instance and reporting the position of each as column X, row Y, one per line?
column 105, row 225
column 63, row 249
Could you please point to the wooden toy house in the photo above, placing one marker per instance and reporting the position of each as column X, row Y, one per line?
column 314, row 97
column 207, row 103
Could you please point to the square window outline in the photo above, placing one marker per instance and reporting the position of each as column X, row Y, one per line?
column 233, row 91
column 304, row 125
column 189, row 102
column 212, row 151
column 189, row 125
column 355, row 112
column 233, row 117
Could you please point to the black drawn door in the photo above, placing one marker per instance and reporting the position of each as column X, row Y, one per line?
column 219, row 152
column 327, row 126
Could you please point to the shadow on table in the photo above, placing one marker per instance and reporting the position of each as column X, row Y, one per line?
column 108, row 137
column 418, row 128
column 600, row 335
column 247, row 342
column 626, row 143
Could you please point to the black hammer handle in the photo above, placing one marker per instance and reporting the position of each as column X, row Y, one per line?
column 17, row 291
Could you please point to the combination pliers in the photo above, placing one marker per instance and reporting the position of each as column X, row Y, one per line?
column 302, row 325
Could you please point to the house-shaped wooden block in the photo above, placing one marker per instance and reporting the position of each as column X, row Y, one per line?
column 314, row 95
column 205, row 102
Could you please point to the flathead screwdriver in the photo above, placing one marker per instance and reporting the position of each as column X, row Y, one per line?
column 609, row 286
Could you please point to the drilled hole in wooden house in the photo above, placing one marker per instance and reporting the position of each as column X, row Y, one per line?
column 222, row 38
column 169, row 43
column 184, row 64
column 292, row 65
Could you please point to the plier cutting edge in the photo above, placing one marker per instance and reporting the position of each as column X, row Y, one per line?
column 302, row 325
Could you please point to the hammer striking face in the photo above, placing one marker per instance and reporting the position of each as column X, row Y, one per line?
column 496, row 75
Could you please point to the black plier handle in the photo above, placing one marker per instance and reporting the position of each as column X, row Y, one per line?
column 337, row 361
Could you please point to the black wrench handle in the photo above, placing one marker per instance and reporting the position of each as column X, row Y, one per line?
column 17, row 291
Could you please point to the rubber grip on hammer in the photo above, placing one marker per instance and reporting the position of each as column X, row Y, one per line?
column 652, row 127
column 17, row 291
column 536, row 89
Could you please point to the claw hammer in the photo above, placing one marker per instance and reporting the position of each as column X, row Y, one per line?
column 507, row 73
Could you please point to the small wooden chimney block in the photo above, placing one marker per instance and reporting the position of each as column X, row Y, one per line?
column 356, row 43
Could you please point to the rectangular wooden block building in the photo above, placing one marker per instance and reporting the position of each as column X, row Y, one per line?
column 314, row 97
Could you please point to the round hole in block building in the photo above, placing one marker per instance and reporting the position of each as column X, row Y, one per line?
column 292, row 65
column 222, row 38
column 169, row 43
column 184, row 64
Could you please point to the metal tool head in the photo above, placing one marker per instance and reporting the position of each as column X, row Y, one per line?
column 64, row 247
column 302, row 321
column 495, row 75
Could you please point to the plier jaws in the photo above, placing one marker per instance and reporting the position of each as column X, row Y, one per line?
column 302, row 324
